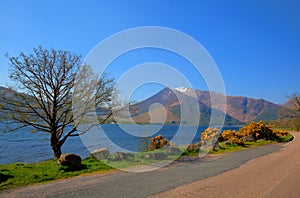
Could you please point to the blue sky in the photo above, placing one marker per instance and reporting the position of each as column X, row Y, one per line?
column 255, row 44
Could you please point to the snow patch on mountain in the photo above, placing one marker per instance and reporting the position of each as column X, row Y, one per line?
column 181, row 89
column 186, row 91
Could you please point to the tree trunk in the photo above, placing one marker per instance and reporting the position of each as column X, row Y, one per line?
column 216, row 145
column 56, row 146
column 56, row 151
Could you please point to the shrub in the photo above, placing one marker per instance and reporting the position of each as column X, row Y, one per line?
column 237, row 141
column 210, row 134
column 226, row 135
column 281, row 132
column 193, row 147
column 210, row 137
column 232, row 137
column 158, row 142
column 258, row 130
column 251, row 132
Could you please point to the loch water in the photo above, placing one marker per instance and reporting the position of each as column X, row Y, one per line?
column 29, row 146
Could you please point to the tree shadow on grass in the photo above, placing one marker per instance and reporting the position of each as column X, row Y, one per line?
column 73, row 168
column 4, row 177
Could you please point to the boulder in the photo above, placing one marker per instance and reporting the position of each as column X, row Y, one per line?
column 198, row 144
column 173, row 150
column 156, row 156
column 249, row 138
column 123, row 156
column 193, row 147
column 159, row 156
column 100, row 154
column 70, row 160
column 148, row 156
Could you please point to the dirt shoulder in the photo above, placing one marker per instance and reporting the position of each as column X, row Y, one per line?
column 273, row 175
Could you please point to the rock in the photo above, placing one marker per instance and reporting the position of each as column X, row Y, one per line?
column 70, row 160
column 159, row 156
column 100, row 154
column 123, row 156
column 156, row 156
column 173, row 150
column 198, row 144
column 193, row 147
column 249, row 138
column 148, row 156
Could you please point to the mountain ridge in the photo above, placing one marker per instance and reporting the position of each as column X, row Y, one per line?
column 238, row 108
column 165, row 106
column 167, row 98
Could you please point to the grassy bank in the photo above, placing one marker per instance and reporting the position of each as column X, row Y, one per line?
column 225, row 148
column 19, row 174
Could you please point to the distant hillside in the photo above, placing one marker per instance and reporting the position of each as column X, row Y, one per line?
column 239, row 109
column 4, row 93
column 288, row 116
column 170, row 103
column 248, row 109
column 291, row 104
column 165, row 103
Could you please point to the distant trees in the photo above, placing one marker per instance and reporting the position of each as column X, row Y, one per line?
column 45, row 83
column 295, row 99
column 296, row 123
column 289, row 114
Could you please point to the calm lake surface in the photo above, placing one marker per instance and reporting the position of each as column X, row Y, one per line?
column 29, row 147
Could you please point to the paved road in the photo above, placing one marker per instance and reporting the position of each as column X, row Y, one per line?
column 125, row 184
column 273, row 175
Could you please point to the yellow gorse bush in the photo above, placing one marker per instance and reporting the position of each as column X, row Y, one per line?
column 252, row 131
column 210, row 134
column 158, row 142
column 258, row 130
column 232, row 137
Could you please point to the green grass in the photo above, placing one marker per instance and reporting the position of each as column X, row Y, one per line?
column 286, row 138
column 224, row 148
column 140, row 159
column 19, row 174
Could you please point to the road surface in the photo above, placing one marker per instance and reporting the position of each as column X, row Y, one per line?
column 275, row 167
column 273, row 175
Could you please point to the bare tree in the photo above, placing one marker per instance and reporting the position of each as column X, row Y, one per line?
column 295, row 99
column 45, row 83
column 294, row 104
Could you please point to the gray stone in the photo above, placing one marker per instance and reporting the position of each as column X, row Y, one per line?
column 100, row 154
column 123, row 156
column 173, row 150
column 70, row 160
column 156, row 156
column 248, row 138
column 193, row 147
column 148, row 156
column 159, row 156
